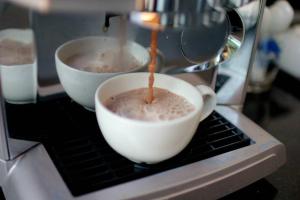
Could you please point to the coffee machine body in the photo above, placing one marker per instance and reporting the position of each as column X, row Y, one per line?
column 223, row 59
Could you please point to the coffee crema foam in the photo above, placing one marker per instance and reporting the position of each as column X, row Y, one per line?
column 166, row 105
column 103, row 62
column 13, row 52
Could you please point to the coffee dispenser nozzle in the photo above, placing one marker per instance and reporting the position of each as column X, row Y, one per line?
column 107, row 20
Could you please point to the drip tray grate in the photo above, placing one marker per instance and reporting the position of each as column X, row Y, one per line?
column 86, row 162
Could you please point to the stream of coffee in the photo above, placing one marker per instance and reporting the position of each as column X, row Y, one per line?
column 152, row 65
column 153, row 54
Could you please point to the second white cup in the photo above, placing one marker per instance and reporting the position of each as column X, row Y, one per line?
column 81, row 85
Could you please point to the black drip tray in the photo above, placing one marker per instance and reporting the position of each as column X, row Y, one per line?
column 86, row 162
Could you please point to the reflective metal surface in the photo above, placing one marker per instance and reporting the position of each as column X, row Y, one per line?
column 127, row 5
column 3, row 171
column 172, row 13
column 184, row 15
column 238, row 66
column 216, row 34
column 4, row 152
column 225, row 40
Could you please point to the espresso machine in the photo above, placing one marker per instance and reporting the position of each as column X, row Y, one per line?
column 52, row 148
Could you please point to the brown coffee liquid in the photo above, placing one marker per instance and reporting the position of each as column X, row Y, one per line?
column 152, row 65
column 166, row 105
column 103, row 62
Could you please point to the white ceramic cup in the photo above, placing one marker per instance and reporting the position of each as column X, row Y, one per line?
column 151, row 142
column 81, row 85
column 19, row 82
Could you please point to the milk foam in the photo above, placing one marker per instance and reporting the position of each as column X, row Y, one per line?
column 166, row 105
column 103, row 62
column 15, row 53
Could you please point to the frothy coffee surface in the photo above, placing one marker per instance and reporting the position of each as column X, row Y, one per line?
column 166, row 105
column 103, row 62
column 15, row 53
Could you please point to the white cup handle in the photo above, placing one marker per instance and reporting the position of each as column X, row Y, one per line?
column 209, row 100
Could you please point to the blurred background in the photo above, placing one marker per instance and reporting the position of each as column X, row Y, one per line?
column 273, row 101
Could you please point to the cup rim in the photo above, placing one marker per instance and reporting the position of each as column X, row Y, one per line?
column 96, row 73
column 99, row 103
